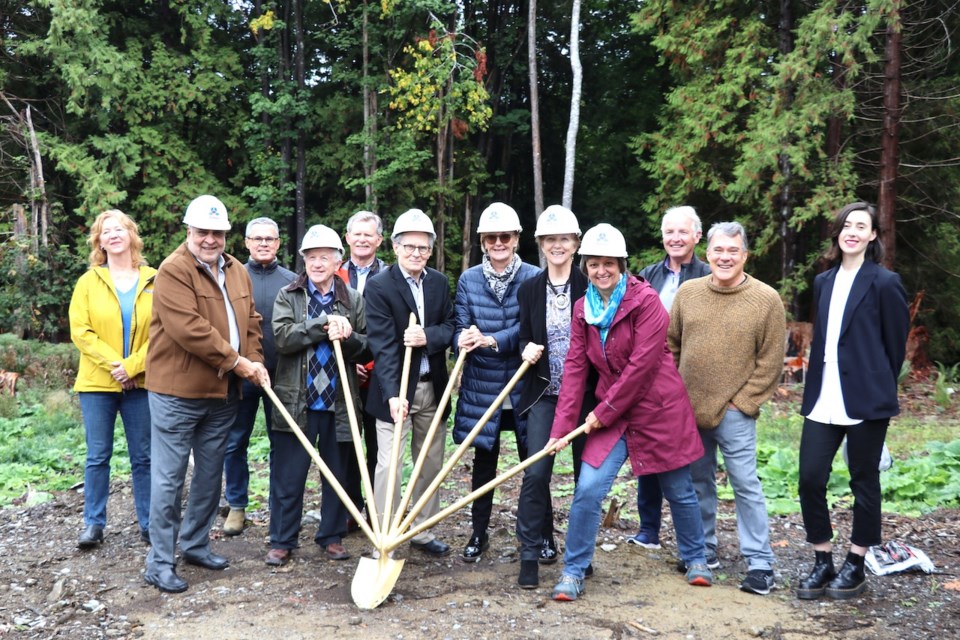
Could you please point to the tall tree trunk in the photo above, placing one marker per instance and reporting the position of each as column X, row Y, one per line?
column 369, row 117
column 534, row 110
column 785, row 203
column 38, row 189
column 890, row 136
column 301, row 178
column 574, row 125
column 286, row 145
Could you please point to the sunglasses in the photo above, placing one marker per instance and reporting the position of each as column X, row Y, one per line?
column 494, row 238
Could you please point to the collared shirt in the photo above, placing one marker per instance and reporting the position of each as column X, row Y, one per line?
column 416, row 288
column 362, row 273
column 221, row 280
column 670, row 285
column 830, row 408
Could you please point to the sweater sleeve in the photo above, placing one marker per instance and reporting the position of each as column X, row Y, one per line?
column 766, row 374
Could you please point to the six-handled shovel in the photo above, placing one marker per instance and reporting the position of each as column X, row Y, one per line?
column 375, row 577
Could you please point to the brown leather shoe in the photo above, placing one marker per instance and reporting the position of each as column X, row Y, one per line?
column 277, row 557
column 337, row 551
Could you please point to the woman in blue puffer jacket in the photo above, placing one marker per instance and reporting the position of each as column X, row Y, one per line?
column 488, row 326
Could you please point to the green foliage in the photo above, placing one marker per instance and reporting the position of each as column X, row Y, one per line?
column 43, row 365
column 43, row 446
column 945, row 386
column 36, row 287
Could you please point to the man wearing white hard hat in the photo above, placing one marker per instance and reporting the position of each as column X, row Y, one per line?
column 410, row 287
column 308, row 315
column 204, row 341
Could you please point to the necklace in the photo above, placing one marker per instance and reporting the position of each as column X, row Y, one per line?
column 561, row 299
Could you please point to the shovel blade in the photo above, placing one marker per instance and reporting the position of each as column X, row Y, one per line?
column 374, row 580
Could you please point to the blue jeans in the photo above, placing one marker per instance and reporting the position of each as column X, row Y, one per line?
column 736, row 435
column 235, row 470
column 649, row 504
column 594, row 486
column 99, row 418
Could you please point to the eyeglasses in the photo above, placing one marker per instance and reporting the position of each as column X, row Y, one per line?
column 262, row 240
column 493, row 238
column 410, row 249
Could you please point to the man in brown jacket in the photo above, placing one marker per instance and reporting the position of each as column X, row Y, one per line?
column 204, row 339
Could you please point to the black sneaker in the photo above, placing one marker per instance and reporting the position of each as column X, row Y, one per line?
column 758, row 581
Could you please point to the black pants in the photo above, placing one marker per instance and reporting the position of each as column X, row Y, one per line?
column 289, row 465
column 485, row 470
column 369, row 431
column 818, row 447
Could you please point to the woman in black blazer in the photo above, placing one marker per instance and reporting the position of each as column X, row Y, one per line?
column 546, row 306
column 859, row 340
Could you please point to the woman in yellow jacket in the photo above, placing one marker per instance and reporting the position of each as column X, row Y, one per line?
column 109, row 322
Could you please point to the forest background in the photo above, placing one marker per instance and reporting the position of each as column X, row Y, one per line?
column 774, row 113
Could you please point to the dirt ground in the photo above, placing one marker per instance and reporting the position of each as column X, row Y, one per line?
column 50, row 589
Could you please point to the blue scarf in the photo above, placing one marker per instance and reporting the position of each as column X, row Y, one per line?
column 596, row 314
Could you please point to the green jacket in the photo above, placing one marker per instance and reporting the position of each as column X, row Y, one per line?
column 296, row 336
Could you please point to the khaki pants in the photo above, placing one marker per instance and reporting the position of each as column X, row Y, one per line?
column 422, row 411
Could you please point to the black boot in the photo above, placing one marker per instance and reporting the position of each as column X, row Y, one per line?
column 850, row 581
column 529, row 574
column 813, row 586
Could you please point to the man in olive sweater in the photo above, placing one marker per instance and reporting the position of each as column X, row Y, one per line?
column 727, row 336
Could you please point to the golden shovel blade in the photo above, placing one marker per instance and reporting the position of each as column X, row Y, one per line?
column 374, row 580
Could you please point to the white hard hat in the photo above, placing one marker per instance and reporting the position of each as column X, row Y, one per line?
column 603, row 240
column 499, row 217
column 207, row 212
column 413, row 220
column 320, row 236
column 556, row 220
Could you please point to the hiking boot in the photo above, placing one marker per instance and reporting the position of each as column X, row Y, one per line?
column 568, row 589
column 698, row 575
column 758, row 581
column 233, row 526
column 713, row 562
column 815, row 584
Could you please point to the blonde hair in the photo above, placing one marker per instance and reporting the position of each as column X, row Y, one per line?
column 98, row 257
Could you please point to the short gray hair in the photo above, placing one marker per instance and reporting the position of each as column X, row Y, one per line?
column 731, row 229
column 266, row 221
column 684, row 210
column 397, row 238
column 365, row 216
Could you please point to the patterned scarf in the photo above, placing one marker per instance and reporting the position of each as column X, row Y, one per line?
column 500, row 281
column 596, row 314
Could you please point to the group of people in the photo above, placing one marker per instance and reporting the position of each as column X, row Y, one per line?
column 663, row 368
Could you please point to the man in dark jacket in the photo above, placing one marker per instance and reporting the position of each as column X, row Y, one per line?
column 410, row 287
column 681, row 230
column 267, row 277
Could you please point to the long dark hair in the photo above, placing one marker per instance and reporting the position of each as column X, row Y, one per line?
column 874, row 249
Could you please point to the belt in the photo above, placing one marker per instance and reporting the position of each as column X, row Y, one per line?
column 425, row 377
